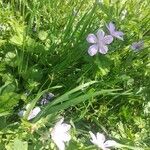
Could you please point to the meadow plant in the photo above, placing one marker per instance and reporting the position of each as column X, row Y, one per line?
column 60, row 134
column 137, row 46
column 44, row 50
column 99, row 140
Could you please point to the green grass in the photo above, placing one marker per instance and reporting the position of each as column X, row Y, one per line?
column 43, row 48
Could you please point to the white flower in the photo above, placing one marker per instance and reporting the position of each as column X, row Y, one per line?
column 99, row 140
column 33, row 113
column 60, row 134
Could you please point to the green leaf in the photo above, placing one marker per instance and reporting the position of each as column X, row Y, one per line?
column 20, row 145
column 17, row 40
column 42, row 35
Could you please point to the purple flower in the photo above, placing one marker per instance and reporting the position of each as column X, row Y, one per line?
column 46, row 98
column 50, row 96
column 99, row 42
column 118, row 34
column 44, row 101
column 136, row 46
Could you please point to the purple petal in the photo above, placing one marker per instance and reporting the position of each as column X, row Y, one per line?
column 118, row 34
column 108, row 39
column 100, row 35
column 103, row 49
column 93, row 50
column 136, row 46
column 50, row 96
column 111, row 27
column 91, row 38
column 44, row 101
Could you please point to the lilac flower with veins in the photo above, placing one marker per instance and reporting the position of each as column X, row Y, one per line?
column 136, row 46
column 99, row 42
column 100, row 141
column 60, row 134
column 112, row 29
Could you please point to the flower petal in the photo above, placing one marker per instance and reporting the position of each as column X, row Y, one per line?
column 34, row 113
column 100, row 137
column 118, row 34
column 110, row 143
column 60, row 122
column 136, row 46
column 60, row 144
column 65, row 127
column 103, row 49
column 21, row 113
column 100, row 34
column 93, row 50
column 65, row 137
column 108, row 39
column 93, row 138
column 111, row 27
column 91, row 38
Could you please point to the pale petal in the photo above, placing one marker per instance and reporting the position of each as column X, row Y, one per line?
column 91, row 38
column 111, row 27
column 34, row 113
column 21, row 113
column 118, row 34
column 100, row 137
column 66, row 137
column 110, row 143
column 60, row 121
column 93, row 50
column 103, row 49
column 60, row 133
column 108, row 39
column 100, row 34
column 105, row 148
column 92, row 136
column 60, row 144
column 65, row 127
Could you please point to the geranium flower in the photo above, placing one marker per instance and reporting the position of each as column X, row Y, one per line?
column 60, row 134
column 112, row 29
column 33, row 113
column 99, row 42
column 99, row 140
column 136, row 46
column 46, row 98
